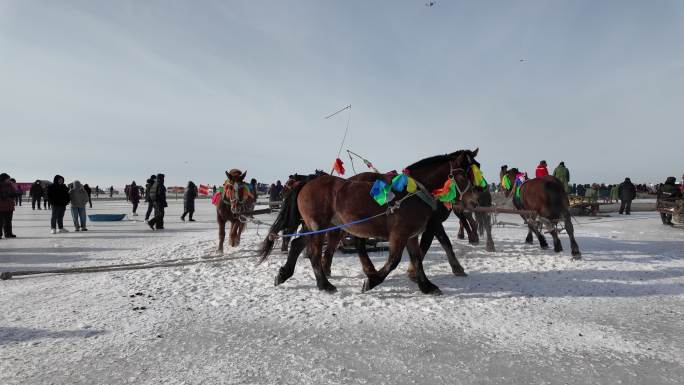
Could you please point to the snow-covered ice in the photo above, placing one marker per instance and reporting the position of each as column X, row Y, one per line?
column 523, row 315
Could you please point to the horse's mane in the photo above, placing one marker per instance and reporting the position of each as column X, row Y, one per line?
column 435, row 159
column 443, row 158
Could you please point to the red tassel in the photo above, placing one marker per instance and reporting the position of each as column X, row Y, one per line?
column 338, row 166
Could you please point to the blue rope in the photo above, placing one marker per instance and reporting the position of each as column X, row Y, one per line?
column 334, row 227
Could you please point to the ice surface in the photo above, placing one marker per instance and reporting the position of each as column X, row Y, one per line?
column 523, row 315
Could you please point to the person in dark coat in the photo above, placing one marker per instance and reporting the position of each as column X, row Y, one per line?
column 36, row 194
column 46, row 201
column 189, row 201
column 158, row 198
column 627, row 193
column 669, row 192
column 20, row 194
column 581, row 190
column 8, row 196
column 88, row 191
column 58, row 197
column 148, row 187
column 134, row 196
column 279, row 189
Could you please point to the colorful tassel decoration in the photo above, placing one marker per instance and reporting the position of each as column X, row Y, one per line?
column 446, row 193
column 478, row 178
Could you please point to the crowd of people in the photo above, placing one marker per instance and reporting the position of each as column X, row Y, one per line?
column 57, row 195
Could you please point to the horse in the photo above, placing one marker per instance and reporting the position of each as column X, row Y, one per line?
column 547, row 197
column 434, row 228
column 294, row 181
column 482, row 223
column 235, row 202
column 328, row 200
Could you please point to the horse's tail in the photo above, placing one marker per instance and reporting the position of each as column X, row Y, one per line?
column 557, row 199
column 288, row 217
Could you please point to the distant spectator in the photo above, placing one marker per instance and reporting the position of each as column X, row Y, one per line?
column 158, row 198
column 127, row 192
column 562, row 174
column 189, row 201
column 279, row 189
column 8, row 191
column 213, row 190
column 20, row 195
column 134, row 197
column 253, row 187
column 581, row 189
column 541, row 170
column 573, row 189
column 111, row 191
column 273, row 193
column 97, row 191
column 78, row 197
column 669, row 192
column 627, row 193
column 36, row 194
column 58, row 197
column 591, row 193
column 46, row 201
column 614, row 193
column 148, row 187
column 88, row 191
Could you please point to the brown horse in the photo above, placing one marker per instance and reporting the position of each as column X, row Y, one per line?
column 433, row 229
column 482, row 223
column 327, row 201
column 548, row 198
column 235, row 202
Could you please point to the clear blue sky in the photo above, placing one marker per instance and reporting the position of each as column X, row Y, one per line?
column 111, row 91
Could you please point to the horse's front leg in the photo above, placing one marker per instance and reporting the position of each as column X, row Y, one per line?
column 233, row 232
column 222, row 232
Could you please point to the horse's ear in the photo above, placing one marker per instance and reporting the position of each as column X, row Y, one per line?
column 475, row 151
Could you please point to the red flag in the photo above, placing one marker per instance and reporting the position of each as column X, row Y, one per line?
column 338, row 166
column 203, row 189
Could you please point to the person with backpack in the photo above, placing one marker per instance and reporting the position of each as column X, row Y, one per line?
column 158, row 199
column 148, row 187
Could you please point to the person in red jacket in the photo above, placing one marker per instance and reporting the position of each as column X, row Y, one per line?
column 541, row 170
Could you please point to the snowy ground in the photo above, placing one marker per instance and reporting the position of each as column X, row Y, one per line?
column 523, row 315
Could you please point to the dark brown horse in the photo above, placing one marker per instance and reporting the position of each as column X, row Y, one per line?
column 434, row 229
column 327, row 201
column 548, row 198
column 235, row 202
column 482, row 223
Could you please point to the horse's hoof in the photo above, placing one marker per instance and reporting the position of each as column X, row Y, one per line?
column 413, row 278
column 460, row 236
column 474, row 242
column 460, row 273
column 278, row 280
column 490, row 248
column 431, row 289
column 557, row 249
column 328, row 288
column 366, row 286
column 544, row 246
column 576, row 255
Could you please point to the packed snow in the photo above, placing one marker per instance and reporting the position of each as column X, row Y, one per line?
column 523, row 315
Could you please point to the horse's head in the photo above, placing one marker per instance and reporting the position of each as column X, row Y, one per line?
column 236, row 190
column 509, row 178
